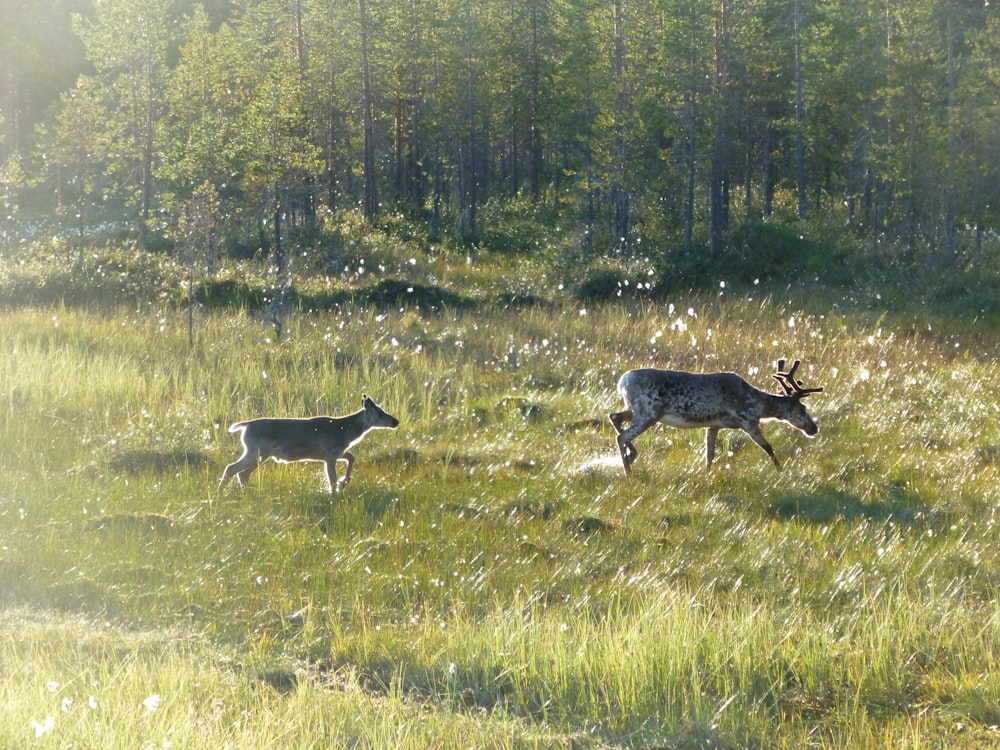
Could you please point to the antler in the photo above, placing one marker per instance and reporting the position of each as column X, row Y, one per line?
column 787, row 381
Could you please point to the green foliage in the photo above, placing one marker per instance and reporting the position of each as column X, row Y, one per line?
column 604, row 282
column 968, row 295
column 523, row 226
column 383, row 294
column 768, row 253
column 402, row 293
column 91, row 277
column 517, row 127
column 229, row 291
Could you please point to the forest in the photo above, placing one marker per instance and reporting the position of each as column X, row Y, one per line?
column 669, row 129
column 481, row 213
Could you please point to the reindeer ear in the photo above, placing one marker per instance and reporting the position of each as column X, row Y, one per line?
column 364, row 399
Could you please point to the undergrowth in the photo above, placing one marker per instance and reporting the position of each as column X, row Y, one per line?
column 490, row 578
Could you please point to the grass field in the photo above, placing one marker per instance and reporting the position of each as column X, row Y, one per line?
column 490, row 578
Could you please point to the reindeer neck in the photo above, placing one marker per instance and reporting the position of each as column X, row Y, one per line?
column 773, row 405
column 354, row 420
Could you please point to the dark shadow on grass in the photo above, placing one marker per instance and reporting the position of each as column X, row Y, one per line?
column 590, row 525
column 826, row 506
column 284, row 681
column 375, row 505
column 398, row 292
column 82, row 596
column 383, row 294
column 484, row 685
column 143, row 524
column 156, row 462
column 387, row 293
column 20, row 586
column 531, row 509
column 380, row 503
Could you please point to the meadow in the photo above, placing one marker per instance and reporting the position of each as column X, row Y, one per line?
column 490, row 578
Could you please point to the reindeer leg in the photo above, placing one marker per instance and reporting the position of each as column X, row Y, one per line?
column 242, row 467
column 753, row 430
column 331, row 470
column 243, row 476
column 629, row 454
column 710, row 434
column 618, row 418
column 627, row 450
column 349, row 457
column 330, row 467
column 625, row 438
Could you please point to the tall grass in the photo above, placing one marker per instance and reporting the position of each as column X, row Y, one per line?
column 490, row 578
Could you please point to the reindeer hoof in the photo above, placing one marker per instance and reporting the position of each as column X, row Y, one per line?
column 627, row 460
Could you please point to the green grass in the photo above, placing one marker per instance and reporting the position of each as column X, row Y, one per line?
column 490, row 578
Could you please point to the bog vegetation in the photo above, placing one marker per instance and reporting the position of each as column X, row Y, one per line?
column 490, row 578
column 482, row 213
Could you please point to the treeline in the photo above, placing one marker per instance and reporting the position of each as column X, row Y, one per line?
column 652, row 125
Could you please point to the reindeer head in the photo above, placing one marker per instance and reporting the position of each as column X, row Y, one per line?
column 375, row 416
column 794, row 412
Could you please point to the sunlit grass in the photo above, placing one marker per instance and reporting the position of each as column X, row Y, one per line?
column 490, row 578
column 71, row 682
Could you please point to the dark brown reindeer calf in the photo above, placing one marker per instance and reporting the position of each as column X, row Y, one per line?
column 715, row 401
column 325, row 439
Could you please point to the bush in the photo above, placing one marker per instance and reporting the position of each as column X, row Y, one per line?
column 392, row 293
column 56, row 274
column 603, row 284
column 762, row 252
column 230, row 292
column 519, row 226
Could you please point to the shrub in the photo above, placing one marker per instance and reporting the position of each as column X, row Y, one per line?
column 98, row 276
column 629, row 278
column 762, row 252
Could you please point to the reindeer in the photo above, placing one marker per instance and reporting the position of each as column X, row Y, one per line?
column 323, row 439
column 714, row 401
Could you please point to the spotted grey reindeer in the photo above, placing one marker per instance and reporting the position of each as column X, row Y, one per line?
column 325, row 439
column 714, row 401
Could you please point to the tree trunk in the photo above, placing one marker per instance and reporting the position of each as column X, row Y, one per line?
column 800, row 116
column 719, row 169
column 278, row 250
column 950, row 207
column 690, row 153
column 622, row 220
column 370, row 201
column 534, row 127
column 469, row 174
